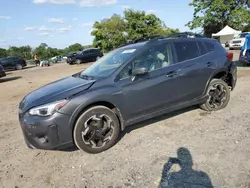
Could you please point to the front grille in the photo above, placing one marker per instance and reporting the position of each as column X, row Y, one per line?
column 236, row 41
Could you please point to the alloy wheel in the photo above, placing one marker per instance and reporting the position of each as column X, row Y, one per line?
column 217, row 96
column 97, row 131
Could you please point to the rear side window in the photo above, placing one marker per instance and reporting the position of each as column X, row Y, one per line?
column 186, row 50
column 3, row 60
column 202, row 48
column 209, row 46
column 93, row 51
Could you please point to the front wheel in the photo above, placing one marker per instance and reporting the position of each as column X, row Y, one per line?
column 96, row 130
column 218, row 95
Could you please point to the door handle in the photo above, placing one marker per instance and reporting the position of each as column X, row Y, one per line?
column 209, row 64
column 172, row 74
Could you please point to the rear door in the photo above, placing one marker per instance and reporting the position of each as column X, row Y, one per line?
column 87, row 56
column 94, row 53
column 195, row 68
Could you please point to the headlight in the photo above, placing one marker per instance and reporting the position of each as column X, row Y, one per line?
column 48, row 109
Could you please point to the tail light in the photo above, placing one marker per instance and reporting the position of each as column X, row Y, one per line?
column 230, row 55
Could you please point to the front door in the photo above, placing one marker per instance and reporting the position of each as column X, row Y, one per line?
column 154, row 91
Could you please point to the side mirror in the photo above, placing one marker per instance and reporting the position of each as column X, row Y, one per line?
column 139, row 71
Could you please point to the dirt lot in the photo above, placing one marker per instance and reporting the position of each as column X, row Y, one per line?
column 218, row 142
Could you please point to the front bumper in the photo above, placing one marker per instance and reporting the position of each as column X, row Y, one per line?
column 70, row 61
column 235, row 45
column 51, row 132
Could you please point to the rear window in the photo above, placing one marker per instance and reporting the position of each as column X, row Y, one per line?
column 186, row 50
column 202, row 48
column 209, row 46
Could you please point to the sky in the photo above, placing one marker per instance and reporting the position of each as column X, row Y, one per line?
column 60, row 23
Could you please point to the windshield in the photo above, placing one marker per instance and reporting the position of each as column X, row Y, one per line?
column 106, row 65
column 242, row 35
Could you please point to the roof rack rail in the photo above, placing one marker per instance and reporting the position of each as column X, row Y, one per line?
column 185, row 35
column 156, row 37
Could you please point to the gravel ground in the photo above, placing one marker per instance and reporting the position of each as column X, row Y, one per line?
column 218, row 143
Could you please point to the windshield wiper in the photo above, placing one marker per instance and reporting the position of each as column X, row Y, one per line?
column 86, row 77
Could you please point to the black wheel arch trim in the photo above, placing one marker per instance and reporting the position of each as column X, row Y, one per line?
column 77, row 113
column 224, row 71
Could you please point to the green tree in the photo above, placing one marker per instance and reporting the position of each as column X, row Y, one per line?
column 139, row 24
column 23, row 51
column 51, row 52
column 3, row 52
column 41, row 51
column 75, row 47
column 213, row 15
column 114, row 31
column 109, row 33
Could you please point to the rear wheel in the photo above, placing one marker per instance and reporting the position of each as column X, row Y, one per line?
column 78, row 61
column 97, row 58
column 96, row 130
column 218, row 95
column 19, row 67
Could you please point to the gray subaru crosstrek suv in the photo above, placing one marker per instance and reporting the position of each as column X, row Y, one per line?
column 130, row 84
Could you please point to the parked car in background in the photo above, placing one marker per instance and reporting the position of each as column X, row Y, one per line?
column 13, row 62
column 87, row 55
column 245, row 59
column 2, row 72
column 238, row 42
column 128, row 85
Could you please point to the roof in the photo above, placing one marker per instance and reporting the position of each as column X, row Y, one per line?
column 148, row 39
column 90, row 49
column 135, row 45
column 226, row 31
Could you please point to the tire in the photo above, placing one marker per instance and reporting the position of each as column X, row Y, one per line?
column 18, row 67
column 219, row 95
column 97, row 58
column 86, row 130
column 78, row 61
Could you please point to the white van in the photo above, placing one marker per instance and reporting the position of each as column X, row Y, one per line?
column 238, row 41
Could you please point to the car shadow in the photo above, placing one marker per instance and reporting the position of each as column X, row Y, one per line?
column 141, row 124
column 155, row 120
column 186, row 176
column 7, row 79
column 241, row 64
column 24, row 68
column 29, row 67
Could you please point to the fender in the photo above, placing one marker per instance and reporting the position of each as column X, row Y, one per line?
column 223, row 71
column 104, row 100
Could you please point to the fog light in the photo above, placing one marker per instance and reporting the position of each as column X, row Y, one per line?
column 43, row 139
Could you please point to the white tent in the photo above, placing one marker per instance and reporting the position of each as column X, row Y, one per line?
column 226, row 34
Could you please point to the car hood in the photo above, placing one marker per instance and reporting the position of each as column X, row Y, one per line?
column 58, row 90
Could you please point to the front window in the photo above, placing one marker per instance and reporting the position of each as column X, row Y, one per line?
column 109, row 63
column 242, row 35
column 156, row 57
